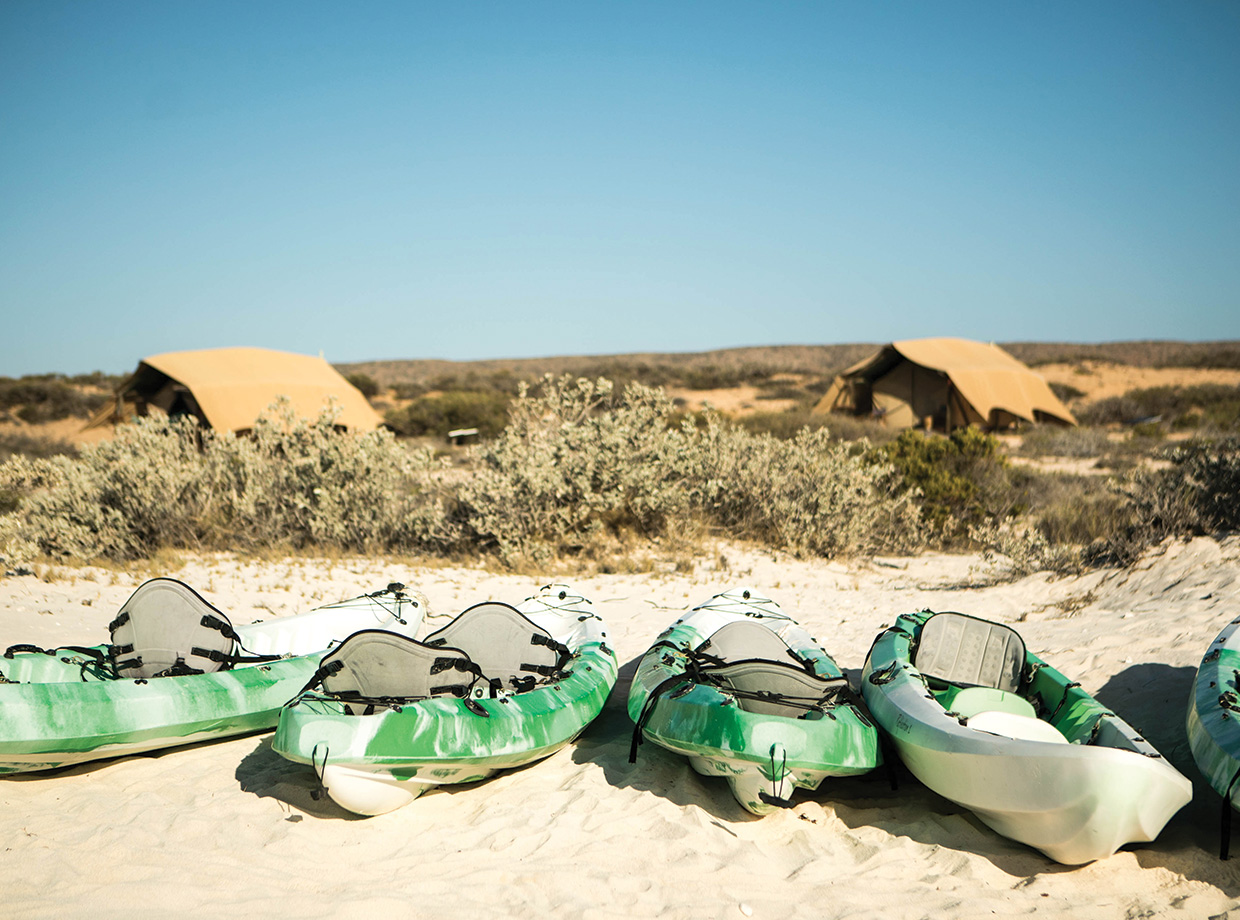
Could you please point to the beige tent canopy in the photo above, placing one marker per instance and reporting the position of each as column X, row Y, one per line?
column 950, row 382
column 229, row 388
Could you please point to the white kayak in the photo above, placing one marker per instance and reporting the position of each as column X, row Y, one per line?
column 986, row 724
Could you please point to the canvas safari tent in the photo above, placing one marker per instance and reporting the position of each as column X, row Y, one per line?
column 229, row 388
column 944, row 383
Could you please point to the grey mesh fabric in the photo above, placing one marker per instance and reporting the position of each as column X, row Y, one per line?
column 969, row 652
column 504, row 644
column 162, row 624
column 779, row 680
column 744, row 640
column 376, row 664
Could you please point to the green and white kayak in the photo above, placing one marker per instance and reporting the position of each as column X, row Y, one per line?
column 983, row 722
column 738, row 687
column 73, row 704
column 386, row 719
column 1213, row 721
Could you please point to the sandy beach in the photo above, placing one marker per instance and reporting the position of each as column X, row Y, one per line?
column 231, row 827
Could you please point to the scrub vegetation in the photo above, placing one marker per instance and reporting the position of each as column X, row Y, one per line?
column 38, row 398
column 606, row 471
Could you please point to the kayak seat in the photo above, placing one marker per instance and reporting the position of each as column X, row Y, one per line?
column 511, row 651
column 745, row 640
column 775, row 689
column 167, row 628
column 1011, row 725
column 965, row 651
column 376, row 665
column 973, row 700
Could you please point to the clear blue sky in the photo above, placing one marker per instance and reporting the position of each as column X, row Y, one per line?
column 472, row 180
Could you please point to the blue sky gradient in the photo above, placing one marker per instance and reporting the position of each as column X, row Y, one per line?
column 475, row 180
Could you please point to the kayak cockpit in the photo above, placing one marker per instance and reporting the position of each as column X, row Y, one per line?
column 975, row 669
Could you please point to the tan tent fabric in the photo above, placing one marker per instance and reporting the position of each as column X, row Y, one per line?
column 229, row 388
column 953, row 382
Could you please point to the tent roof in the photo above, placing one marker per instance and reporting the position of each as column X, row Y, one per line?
column 986, row 375
column 234, row 386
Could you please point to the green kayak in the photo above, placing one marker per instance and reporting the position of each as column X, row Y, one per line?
column 746, row 694
column 1213, row 722
column 987, row 724
column 175, row 672
column 386, row 718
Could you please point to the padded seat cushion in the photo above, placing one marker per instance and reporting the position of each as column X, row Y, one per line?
column 776, row 680
column 744, row 640
column 164, row 622
column 505, row 644
column 969, row 652
column 377, row 664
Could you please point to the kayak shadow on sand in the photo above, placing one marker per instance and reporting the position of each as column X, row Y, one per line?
column 266, row 774
column 609, row 738
column 1153, row 698
column 607, row 741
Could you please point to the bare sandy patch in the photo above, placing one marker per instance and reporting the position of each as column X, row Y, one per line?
column 1100, row 379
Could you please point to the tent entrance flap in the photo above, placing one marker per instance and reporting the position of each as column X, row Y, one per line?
column 907, row 395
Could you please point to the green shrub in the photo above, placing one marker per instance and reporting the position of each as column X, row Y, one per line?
column 1149, row 431
column 1207, row 474
column 437, row 415
column 784, row 425
column 577, row 462
column 1060, row 441
column 1114, row 410
column 16, row 442
column 167, row 483
column 1066, row 392
column 407, row 389
column 1214, row 405
column 964, row 480
column 1199, row 493
column 366, row 384
column 46, row 398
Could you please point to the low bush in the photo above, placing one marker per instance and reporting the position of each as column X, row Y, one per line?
column 365, row 384
column 16, row 442
column 1066, row 392
column 784, row 425
column 1198, row 493
column 46, row 398
column 964, row 479
column 578, row 464
column 1060, row 441
column 167, row 483
column 437, row 415
column 578, row 460
column 1113, row 410
column 1214, row 406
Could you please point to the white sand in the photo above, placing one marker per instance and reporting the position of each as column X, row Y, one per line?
column 231, row 828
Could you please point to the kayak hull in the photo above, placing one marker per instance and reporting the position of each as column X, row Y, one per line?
column 59, row 711
column 1213, row 718
column 1101, row 786
column 372, row 764
column 764, row 758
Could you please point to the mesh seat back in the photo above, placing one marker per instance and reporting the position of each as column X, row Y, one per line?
column 745, row 640
column 504, row 644
column 775, row 680
column 969, row 652
column 165, row 622
column 377, row 664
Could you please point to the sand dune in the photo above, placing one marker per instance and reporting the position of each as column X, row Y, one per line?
column 230, row 826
